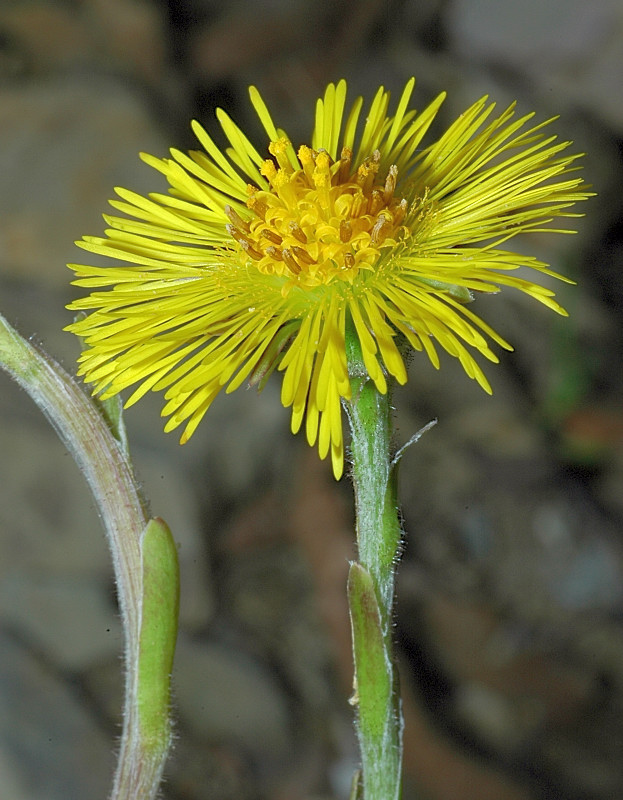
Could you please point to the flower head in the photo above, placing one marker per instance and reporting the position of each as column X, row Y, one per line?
column 260, row 261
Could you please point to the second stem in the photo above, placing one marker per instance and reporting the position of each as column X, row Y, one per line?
column 371, row 583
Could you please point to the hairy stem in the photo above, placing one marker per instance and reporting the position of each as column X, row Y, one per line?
column 143, row 555
column 371, row 583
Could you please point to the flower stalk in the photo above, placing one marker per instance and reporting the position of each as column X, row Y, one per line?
column 143, row 554
column 371, row 582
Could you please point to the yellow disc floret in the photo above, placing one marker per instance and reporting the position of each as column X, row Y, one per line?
column 321, row 222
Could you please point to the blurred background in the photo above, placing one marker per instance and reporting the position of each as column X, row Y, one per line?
column 510, row 609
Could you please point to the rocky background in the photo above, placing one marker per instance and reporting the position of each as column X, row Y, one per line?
column 510, row 613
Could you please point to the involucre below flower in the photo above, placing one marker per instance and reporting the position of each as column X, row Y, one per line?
column 253, row 263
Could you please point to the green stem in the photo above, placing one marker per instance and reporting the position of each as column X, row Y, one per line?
column 143, row 554
column 371, row 583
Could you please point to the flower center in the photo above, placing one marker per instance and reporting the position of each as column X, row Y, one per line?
column 318, row 221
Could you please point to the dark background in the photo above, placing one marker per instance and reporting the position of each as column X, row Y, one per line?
column 511, row 588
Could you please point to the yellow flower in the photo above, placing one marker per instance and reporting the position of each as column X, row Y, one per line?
column 254, row 262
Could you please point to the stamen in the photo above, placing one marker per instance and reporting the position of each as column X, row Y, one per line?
column 268, row 169
column 381, row 228
column 279, row 150
column 306, row 157
column 322, row 179
column 360, row 202
column 258, row 207
column 251, row 251
column 321, row 175
column 303, row 255
column 291, row 262
column 390, row 183
column 400, row 212
column 375, row 203
column 244, row 241
column 368, row 170
column 236, row 219
column 346, row 230
column 286, row 189
column 269, row 234
column 330, row 161
column 233, row 231
column 274, row 252
column 297, row 231
column 346, row 156
column 349, row 260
